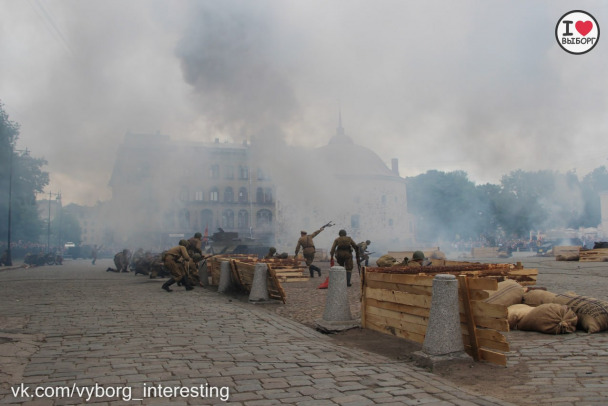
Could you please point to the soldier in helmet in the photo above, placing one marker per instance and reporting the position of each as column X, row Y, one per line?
column 121, row 261
column 418, row 259
column 363, row 254
column 343, row 250
column 174, row 261
column 308, row 250
column 272, row 253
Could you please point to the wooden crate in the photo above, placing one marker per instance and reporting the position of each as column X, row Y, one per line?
column 566, row 250
column 484, row 252
column 399, row 304
column 595, row 255
column 291, row 274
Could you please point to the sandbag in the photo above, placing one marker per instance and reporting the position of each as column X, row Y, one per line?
column 509, row 293
column 517, row 312
column 536, row 297
column 592, row 313
column 549, row 318
column 386, row 261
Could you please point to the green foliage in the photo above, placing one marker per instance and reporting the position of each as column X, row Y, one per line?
column 27, row 180
column 449, row 206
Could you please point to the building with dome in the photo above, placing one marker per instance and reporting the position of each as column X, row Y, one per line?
column 163, row 190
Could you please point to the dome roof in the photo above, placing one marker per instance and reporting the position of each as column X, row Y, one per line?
column 342, row 156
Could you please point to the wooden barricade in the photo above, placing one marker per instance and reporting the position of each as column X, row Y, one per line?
column 594, row 255
column 243, row 270
column 397, row 301
column 287, row 270
column 484, row 252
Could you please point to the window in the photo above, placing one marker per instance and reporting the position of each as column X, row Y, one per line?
column 264, row 195
column 228, row 219
column 243, row 195
column 198, row 195
column 243, row 219
column 214, row 171
column 264, row 218
column 267, row 195
column 214, row 195
column 383, row 199
column 354, row 221
column 390, row 222
column 262, row 175
column 243, row 172
column 228, row 195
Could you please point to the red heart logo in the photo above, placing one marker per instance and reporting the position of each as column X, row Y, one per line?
column 583, row 27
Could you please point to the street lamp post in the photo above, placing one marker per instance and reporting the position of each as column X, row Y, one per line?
column 48, row 233
column 9, row 258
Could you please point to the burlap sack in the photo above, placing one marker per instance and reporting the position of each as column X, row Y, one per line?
column 517, row 312
column 550, row 318
column 509, row 293
column 537, row 297
column 385, row 261
column 592, row 313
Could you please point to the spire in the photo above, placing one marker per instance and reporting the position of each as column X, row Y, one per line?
column 340, row 137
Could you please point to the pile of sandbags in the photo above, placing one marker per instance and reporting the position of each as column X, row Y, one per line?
column 533, row 310
column 547, row 312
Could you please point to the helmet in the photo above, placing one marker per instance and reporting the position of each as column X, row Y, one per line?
column 418, row 255
column 272, row 249
column 198, row 235
column 368, row 242
column 303, row 232
column 183, row 243
column 197, row 257
column 342, row 233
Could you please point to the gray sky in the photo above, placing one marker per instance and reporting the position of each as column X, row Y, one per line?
column 470, row 85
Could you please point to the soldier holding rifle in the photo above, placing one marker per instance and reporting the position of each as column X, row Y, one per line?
column 308, row 249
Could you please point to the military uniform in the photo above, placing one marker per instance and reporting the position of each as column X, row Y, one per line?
column 308, row 250
column 362, row 248
column 195, row 250
column 343, row 250
column 174, row 261
column 121, row 261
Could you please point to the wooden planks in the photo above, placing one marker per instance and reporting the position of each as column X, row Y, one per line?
column 399, row 304
column 594, row 255
column 484, row 252
column 566, row 250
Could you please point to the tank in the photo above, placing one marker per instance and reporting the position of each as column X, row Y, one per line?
column 223, row 242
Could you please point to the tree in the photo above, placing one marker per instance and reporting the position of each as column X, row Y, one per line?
column 445, row 205
column 23, row 174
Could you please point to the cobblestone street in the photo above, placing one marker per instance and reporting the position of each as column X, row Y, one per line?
column 78, row 326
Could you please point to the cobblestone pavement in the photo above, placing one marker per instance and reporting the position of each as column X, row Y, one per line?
column 78, row 327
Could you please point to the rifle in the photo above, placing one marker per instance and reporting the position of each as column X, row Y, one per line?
column 329, row 224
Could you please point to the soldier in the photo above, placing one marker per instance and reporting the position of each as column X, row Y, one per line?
column 363, row 254
column 343, row 249
column 174, row 261
column 418, row 259
column 308, row 250
column 121, row 260
column 195, row 251
column 272, row 253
